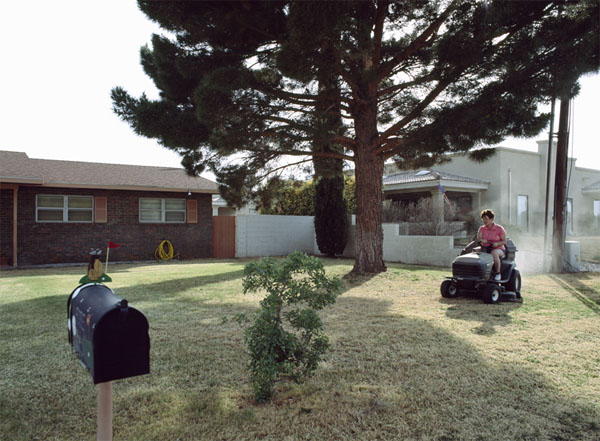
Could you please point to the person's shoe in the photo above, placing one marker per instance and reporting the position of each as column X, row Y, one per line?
column 497, row 277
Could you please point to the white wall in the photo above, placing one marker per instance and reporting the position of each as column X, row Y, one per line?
column 418, row 250
column 271, row 235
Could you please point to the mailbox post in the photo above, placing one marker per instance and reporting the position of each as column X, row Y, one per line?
column 104, row 418
column 111, row 340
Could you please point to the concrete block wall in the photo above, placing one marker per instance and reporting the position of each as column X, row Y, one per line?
column 417, row 250
column 349, row 251
column 272, row 235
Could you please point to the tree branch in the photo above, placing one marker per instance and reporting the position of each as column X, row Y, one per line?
column 420, row 107
column 417, row 82
column 422, row 40
column 321, row 155
column 285, row 166
column 339, row 69
column 303, row 153
column 380, row 15
column 349, row 143
column 296, row 98
column 392, row 147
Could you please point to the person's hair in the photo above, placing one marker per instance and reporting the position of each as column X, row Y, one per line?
column 487, row 212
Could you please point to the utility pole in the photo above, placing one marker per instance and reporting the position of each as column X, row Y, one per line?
column 548, row 172
column 560, row 190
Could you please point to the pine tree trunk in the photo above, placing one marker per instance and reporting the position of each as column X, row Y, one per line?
column 369, row 232
column 369, row 186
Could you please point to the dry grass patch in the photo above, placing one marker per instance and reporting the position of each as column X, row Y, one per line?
column 405, row 364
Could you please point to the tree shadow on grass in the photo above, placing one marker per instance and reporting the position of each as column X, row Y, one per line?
column 423, row 382
column 472, row 308
column 352, row 280
column 80, row 269
column 42, row 378
column 387, row 376
column 173, row 287
column 582, row 292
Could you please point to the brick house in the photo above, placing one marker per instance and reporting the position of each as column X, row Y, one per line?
column 55, row 211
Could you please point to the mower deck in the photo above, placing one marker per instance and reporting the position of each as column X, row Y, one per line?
column 479, row 287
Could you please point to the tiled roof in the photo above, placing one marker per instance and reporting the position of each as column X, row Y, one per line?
column 426, row 176
column 18, row 167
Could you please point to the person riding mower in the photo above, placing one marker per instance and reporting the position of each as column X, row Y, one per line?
column 472, row 273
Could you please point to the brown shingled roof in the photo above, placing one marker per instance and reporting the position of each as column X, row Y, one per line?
column 17, row 167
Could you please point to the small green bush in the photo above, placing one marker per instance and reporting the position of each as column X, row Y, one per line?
column 286, row 338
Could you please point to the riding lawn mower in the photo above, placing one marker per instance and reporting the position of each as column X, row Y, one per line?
column 472, row 274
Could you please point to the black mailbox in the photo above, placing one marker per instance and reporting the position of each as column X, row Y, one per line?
column 110, row 337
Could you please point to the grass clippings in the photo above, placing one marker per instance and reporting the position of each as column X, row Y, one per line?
column 404, row 364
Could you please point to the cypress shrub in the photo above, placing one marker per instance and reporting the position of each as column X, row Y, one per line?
column 331, row 215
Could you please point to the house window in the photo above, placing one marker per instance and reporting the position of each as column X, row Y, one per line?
column 523, row 212
column 54, row 208
column 154, row 210
column 597, row 215
column 570, row 216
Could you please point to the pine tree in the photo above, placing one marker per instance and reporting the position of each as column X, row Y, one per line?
column 240, row 85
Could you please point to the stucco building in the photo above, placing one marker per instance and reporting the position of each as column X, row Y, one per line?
column 512, row 183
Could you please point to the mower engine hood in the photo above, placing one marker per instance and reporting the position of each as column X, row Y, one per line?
column 473, row 266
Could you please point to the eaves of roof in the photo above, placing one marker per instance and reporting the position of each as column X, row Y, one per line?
column 425, row 179
column 592, row 188
column 21, row 180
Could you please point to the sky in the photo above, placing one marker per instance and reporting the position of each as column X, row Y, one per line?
column 61, row 59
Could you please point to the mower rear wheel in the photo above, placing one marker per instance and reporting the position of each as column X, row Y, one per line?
column 449, row 289
column 514, row 283
column 491, row 293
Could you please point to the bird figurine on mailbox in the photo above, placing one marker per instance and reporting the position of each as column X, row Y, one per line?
column 95, row 269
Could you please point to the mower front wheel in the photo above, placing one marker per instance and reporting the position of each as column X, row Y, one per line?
column 449, row 289
column 491, row 293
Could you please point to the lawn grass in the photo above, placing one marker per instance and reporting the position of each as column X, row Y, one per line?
column 404, row 363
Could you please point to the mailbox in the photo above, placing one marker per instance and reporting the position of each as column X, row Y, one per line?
column 110, row 337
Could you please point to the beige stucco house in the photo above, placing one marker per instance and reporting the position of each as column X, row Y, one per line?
column 512, row 183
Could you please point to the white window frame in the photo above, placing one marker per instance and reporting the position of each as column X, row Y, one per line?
column 596, row 213
column 65, row 209
column 526, row 211
column 163, row 211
